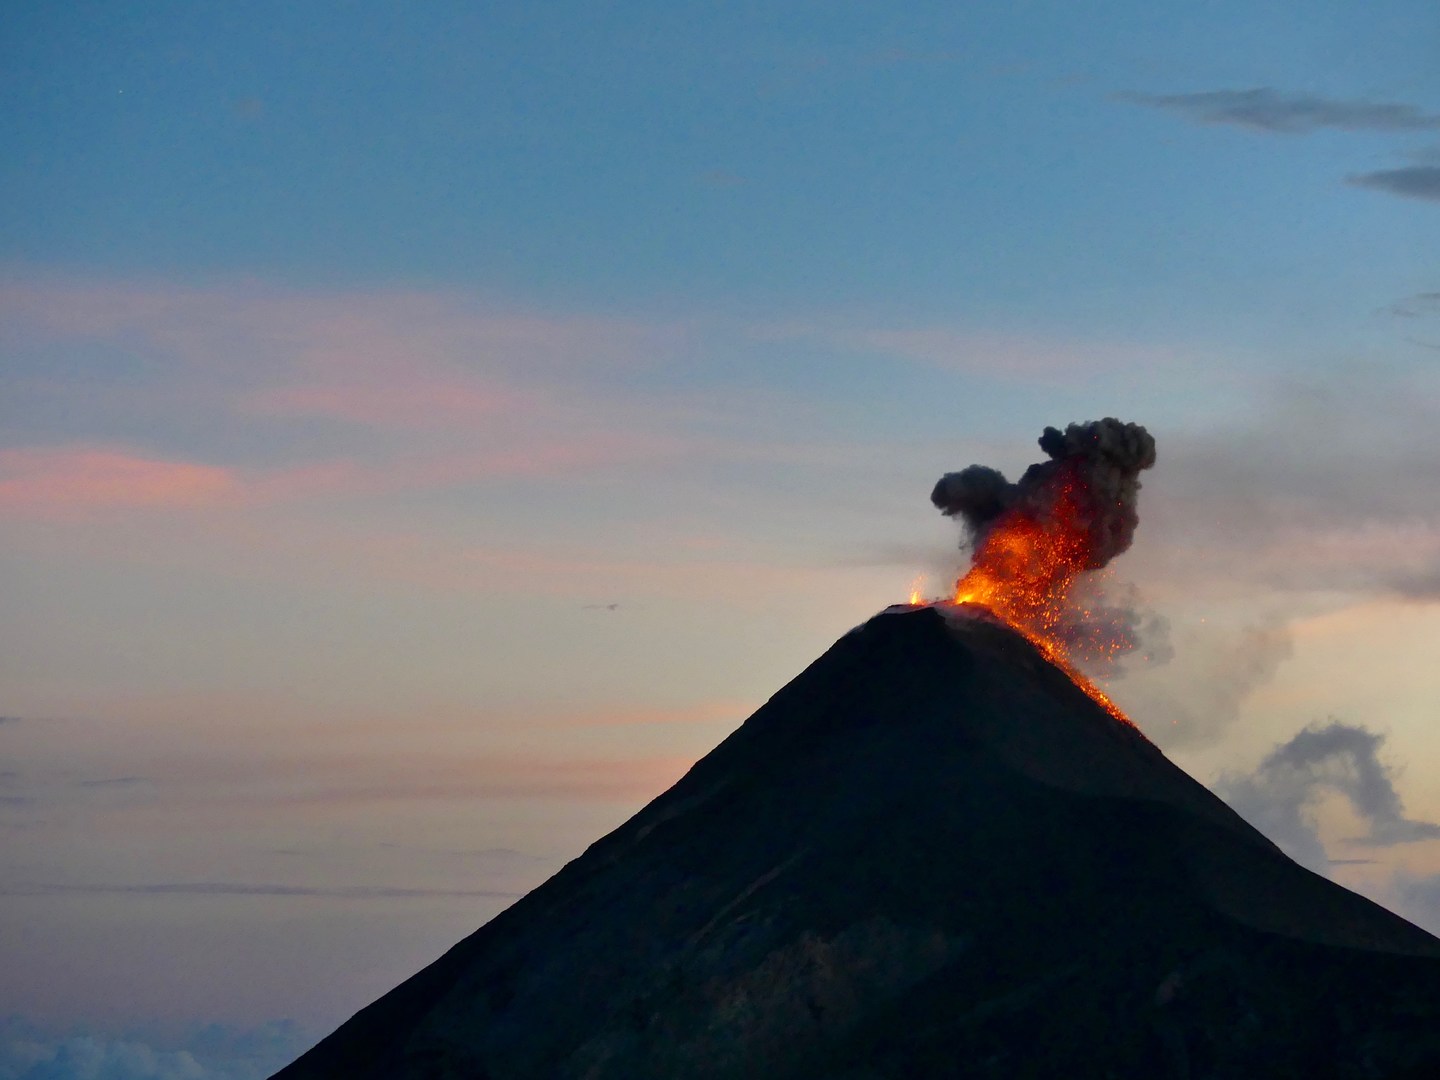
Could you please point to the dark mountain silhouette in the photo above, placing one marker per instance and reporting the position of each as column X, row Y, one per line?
column 930, row 855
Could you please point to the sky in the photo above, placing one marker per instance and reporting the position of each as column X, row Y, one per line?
column 425, row 430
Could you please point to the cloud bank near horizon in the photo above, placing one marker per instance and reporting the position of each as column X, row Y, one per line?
column 33, row 1051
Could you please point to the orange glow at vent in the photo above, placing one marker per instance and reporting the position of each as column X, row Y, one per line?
column 1025, row 572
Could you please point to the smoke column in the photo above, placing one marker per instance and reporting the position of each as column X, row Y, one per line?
column 1092, row 480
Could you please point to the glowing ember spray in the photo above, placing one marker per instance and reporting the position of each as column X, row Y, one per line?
column 1033, row 539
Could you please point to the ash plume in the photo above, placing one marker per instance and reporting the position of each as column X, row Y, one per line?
column 1034, row 543
column 1097, row 465
column 1113, row 629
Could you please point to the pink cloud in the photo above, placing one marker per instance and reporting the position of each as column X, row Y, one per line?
column 533, row 457
column 314, row 344
column 51, row 482
column 68, row 478
column 443, row 389
column 418, row 401
column 270, row 522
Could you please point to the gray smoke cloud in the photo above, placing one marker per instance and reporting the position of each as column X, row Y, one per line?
column 1114, row 630
column 1092, row 477
column 1280, row 796
column 1083, row 498
column 1200, row 699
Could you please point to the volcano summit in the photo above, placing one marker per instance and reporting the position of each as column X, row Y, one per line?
column 930, row 855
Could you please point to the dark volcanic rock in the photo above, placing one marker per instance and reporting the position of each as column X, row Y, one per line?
column 930, row 855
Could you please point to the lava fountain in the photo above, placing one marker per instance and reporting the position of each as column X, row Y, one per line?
column 1034, row 541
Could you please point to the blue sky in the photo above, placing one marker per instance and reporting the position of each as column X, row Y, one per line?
column 355, row 359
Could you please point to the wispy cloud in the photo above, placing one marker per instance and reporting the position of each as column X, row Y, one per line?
column 46, row 480
column 1422, row 585
column 1416, row 306
column 237, row 888
column 703, row 712
column 1264, row 109
column 83, row 481
column 116, row 782
column 1324, row 487
column 1196, row 707
column 254, row 333
column 391, row 361
column 337, row 780
column 415, row 400
column 434, row 385
column 357, row 773
column 1413, row 181
column 1269, row 110
column 486, row 854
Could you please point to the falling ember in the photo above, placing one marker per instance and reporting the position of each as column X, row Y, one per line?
column 1034, row 539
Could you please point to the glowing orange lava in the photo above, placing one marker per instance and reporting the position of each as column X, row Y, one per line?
column 1024, row 573
column 917, row 591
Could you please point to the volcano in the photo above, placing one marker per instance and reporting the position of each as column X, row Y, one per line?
column 930, row 855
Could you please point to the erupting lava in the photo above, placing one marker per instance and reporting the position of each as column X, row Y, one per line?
column 1035, row 538
column 917, row 591
column 1024, row 574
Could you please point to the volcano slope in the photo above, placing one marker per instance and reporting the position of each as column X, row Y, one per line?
column 930, row 855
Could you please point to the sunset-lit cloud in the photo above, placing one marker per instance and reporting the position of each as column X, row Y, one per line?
column 398, row 474
column 411, row 401
column 330, row 394
column 57, row 480
column 287, row 330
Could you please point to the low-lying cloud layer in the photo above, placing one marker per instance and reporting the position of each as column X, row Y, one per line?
column 240, row 888
column 30, row 1051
